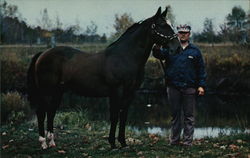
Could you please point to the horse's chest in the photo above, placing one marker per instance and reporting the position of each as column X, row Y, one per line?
column 136, row 78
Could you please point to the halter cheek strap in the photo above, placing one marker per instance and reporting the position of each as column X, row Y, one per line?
column 169, row 38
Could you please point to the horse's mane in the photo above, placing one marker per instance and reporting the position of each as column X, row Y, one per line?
column 126, row 33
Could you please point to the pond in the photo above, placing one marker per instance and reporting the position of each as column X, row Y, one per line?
column 150, row 112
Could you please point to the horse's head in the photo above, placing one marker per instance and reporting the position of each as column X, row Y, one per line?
column 163, row 33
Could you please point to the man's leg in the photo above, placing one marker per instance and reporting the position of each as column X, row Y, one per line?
column 189, row 101
column 175, row 104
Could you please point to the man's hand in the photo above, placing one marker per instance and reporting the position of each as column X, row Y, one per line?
column 156, row 46
column 201, row 91
column 157, row 52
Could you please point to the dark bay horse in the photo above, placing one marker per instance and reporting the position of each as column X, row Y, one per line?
column 116, row 72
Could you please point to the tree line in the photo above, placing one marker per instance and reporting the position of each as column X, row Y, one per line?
column 14, row 29
column 236, row 28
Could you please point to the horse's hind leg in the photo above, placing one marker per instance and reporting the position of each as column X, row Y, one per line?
column 50, row 119
column 114, row 113
column 41, row 114
column 50, row 134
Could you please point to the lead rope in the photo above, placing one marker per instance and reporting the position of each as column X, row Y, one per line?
column 163, row 67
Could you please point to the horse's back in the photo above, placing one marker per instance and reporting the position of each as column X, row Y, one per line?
column 73, row 69
column 64, row 52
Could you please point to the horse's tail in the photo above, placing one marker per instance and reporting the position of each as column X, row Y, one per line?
column 31, row 82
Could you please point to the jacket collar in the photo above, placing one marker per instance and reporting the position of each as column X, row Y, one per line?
column 190, row 45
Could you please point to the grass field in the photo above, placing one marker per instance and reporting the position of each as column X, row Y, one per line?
column 89, row 139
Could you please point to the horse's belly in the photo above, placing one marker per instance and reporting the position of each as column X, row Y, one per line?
column 91, row 90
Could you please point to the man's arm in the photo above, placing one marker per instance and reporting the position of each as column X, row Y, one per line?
column 201, row 75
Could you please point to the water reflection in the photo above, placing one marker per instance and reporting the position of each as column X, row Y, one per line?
column 198, row 132
column 211, row 111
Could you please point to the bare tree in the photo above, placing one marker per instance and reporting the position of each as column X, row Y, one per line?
column 45, row 22
column 8, row 10
column 224, row 32
column 122, row 22
column 91, row 29
column 58, row 23
column 170, row 15
column 77, row 27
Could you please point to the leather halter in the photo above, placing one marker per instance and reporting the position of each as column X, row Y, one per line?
column 167, row 38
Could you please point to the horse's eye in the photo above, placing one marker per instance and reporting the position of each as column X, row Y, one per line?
column 164, row 24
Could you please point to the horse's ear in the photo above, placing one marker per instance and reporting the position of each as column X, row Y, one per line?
column 164, row 14
column 158, row 13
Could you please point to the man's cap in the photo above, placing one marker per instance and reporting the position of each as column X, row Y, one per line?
column 183, row 28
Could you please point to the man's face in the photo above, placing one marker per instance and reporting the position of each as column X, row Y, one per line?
column 184, row 36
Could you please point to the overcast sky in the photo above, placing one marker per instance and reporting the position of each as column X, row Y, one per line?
column 102, row 12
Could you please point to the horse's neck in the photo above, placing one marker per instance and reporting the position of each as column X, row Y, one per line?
column 139, row 45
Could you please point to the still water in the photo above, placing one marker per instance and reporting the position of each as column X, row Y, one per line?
column 150, row 112
column 215, row 115
column 201, row 132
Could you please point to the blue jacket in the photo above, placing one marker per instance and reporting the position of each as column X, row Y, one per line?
column 185, row 69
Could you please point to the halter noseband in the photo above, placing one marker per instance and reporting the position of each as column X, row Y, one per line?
column 168, row 38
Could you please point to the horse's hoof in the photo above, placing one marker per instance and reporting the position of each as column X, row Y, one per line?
column 51, row 138
column 113, row 147
column 44, row 146
column 42, row 140
column 52, row 145
column 124, row 147
column 123, row 144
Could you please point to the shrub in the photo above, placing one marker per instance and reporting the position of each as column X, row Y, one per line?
column 13, row 73
column 14, row 108
column 153, row 68
column 227, row 68
column 154, row 77
column 77, row 118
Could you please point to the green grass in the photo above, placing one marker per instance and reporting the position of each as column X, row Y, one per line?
column 89, row 139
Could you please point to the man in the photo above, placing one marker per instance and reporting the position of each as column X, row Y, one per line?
column 185, row 76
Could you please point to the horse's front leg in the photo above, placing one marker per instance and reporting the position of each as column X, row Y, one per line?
column 114, row 113
column 123, row 118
